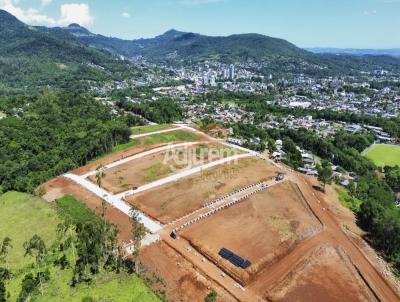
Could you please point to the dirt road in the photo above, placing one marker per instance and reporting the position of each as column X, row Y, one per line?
column 375, row 280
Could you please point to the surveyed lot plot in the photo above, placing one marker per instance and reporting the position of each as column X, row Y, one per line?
column 159, row 165
column 160, row 138
column 384, row 155
column 261, row 229
column 136, row 146
column 150, row 128
column 326, row 274
column 179, row 198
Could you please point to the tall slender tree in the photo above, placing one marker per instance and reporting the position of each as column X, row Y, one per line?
column 5, row 249
column 36, row 247
column 138, row 233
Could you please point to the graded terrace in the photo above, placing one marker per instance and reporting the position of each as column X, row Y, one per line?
column 200, row 197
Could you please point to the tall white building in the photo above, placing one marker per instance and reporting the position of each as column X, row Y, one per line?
column 231, row 72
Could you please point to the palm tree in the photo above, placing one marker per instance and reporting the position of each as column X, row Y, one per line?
column 100, row 174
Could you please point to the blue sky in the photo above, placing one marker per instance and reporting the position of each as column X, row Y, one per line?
column 307, row 23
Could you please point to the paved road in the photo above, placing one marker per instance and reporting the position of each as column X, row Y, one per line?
column 117, row 200
column 152, row 225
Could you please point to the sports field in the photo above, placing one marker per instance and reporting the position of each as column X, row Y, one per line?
column 384, row 155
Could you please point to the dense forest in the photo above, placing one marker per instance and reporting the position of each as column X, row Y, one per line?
column 46, row 135
column 162, row 111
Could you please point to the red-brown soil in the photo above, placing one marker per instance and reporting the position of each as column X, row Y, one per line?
column 156, row 166
column 186, row 195
column 261, row 229
column 326, row 274
column 110, row 158
column 61, row 186
column 179, row 279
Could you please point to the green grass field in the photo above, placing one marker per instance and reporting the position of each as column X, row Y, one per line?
column 22, row 216
column 175, row 136
column 149, row 129
column 161, row 138
column 348, row 201
column 384, row 155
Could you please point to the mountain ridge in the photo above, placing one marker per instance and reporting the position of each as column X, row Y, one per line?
column 189, row 45
column 33, row 57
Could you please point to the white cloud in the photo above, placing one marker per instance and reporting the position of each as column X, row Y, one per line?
column 46, row 2
column 372, row 12
column 70, row 13
column 31, row 15
column 75, row 13
column 126, row 15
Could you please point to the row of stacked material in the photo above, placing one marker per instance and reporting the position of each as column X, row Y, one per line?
column 261, row 187
column 234, row 259
column 212, row 203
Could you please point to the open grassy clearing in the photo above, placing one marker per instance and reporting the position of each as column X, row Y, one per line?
column 175, row 136
column 72, row 210
column 149, row 128
column 130, row 144
column 384, row 155
column 348, row 201
column 161, row 138
column 23, row 216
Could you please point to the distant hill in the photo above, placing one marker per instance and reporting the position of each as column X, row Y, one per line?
column 32, row 57
column 191, row 46
column 282, row 56
column 394, row 52
column 72, row 57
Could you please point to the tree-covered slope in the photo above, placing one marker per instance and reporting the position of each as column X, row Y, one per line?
column 189, row 46
column 176, row 46
column 31, row 57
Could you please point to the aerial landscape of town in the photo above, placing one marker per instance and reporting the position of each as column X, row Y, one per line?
column 182, row 166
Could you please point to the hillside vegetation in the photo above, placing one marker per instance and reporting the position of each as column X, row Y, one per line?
column 46, row 135
column 33, row 58
column 21, row 217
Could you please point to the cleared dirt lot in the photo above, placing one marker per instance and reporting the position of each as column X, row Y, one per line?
column 156, row 166
column 261, row 229
column 61, row 186
column 326, row 274
column 179, row 280
column 186, row 195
